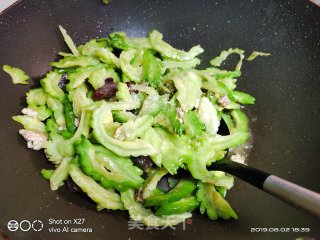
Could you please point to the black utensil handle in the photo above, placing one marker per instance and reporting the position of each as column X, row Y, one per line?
column 291, row 193
column 242, row 171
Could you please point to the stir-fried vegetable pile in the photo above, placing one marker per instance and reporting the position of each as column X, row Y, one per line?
column 121, row 115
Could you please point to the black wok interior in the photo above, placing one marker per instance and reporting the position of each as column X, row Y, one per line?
column 284, row 120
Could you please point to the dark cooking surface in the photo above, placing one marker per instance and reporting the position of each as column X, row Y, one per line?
column 286, row 115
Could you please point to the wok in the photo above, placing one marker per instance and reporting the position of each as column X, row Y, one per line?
column 284, row 120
